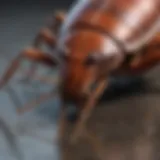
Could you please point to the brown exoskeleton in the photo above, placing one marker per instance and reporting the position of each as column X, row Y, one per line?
column 94, row 41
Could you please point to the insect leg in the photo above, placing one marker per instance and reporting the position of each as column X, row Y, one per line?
column 47, row 36
column 32, row 54
column 35, row 102
column 86, row 112
column 145, row 62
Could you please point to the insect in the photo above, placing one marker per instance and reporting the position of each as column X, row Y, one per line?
column 94, row 40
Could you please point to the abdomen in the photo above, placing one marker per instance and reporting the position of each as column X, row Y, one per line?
column 132, row 22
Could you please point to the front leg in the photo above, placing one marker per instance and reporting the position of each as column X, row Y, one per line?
column 86, row 112
column 145, row 62
column 33, row 54
column 45, row 36
column 48, row 34
column 148, row 58
column 35, row 102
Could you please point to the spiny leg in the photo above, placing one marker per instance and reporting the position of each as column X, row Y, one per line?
column 33, row 103
column 47, row 35
column 32, row 54
column 44, row 36
column 49, row 80
column 148, row 60
column 56, row 21
column 89, row 106
column 148, row 57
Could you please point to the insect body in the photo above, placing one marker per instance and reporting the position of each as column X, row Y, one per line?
column 99, row 36
column 94, row 42
column 105, row 33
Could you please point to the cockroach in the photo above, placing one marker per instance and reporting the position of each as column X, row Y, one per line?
column 94, row 40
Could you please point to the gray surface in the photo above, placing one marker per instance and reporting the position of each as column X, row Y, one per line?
column 35, row 131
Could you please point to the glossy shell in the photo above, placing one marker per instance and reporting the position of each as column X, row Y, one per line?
column 133, row 23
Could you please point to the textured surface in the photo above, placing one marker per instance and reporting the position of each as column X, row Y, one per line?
column 121, row 123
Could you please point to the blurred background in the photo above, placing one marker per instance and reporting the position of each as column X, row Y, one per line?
column 126, row 119
column 20, row 21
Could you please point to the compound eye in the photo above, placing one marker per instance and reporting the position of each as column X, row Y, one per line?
column 93, row 59
column 90, row 61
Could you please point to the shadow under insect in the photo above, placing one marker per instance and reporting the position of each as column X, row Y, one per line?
column 120, row 87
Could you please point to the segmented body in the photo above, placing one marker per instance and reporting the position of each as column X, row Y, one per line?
column 132, row 23
column 113, row 29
